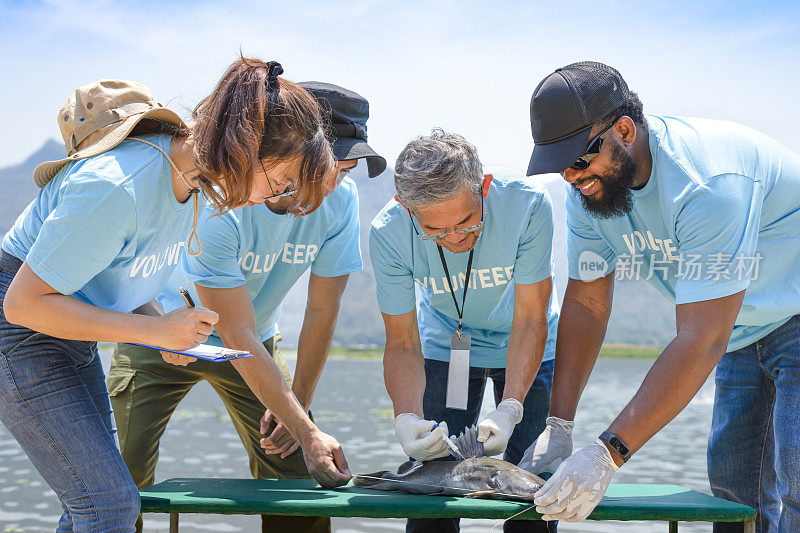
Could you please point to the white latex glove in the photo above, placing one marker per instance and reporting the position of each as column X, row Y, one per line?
column 551, row 447
column 495, row 430
column 417, row 439
column 577, row 485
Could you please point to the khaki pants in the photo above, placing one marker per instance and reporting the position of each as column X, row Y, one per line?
column 145, row 390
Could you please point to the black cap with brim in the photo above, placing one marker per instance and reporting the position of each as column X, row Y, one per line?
column 564, row 107
column 347, row 148
column 347, row 112
column 557, row 156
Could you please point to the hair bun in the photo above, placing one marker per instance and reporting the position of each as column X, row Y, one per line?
column 274, row 70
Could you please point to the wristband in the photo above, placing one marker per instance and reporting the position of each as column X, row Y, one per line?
column 617, row 445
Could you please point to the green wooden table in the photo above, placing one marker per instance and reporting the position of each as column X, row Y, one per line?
column 303, row 497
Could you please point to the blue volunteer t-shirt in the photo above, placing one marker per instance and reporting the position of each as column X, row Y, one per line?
column 719, row 214
column 268, row 252
column 514, row 246
column 107, row 229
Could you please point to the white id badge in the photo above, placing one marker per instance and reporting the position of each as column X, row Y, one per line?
column 458, row 372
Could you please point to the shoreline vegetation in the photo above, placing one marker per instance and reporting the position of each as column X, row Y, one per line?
column 609, row 351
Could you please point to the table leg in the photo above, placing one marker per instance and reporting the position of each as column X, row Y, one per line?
column 750, row 527
column 173, row 522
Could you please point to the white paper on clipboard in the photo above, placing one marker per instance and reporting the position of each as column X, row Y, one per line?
column 206, row 352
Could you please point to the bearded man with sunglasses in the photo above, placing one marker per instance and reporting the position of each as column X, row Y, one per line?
column 709, row 213
column 477, row 249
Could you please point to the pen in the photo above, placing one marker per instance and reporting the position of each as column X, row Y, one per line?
column 187, row 297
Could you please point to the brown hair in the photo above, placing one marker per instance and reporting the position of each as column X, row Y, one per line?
column 251, row 114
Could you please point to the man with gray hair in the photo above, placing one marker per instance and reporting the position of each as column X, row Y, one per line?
column 478, row 249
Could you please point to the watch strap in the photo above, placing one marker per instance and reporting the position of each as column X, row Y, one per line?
column 617, row 445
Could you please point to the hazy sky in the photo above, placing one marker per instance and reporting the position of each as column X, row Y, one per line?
column 469, row 67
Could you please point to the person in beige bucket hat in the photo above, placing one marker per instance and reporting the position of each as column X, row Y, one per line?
column 85, row 260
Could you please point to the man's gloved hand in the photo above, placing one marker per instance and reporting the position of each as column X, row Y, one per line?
column 495, row 430
column 552, row 446
column 577, row 485
column 417, row 439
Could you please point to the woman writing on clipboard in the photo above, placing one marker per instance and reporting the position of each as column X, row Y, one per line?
column 100, row 240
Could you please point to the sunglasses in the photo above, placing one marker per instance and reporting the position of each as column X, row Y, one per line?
column 582, row 163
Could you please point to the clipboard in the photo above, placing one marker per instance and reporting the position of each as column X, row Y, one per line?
column 207, row 352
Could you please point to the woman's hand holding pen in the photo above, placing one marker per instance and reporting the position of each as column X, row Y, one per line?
column 182, row 329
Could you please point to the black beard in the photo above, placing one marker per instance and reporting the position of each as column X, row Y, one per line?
column 616, row 199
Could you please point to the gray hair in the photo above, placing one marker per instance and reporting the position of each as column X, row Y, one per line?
column 433, row 169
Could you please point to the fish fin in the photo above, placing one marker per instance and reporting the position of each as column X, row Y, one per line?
column 467, row 443
column 408, row 466
column 479, row 493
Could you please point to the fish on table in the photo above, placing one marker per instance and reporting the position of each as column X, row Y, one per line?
column 472, row 475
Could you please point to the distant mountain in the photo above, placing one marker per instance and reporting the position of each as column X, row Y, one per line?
column 17, row 183
column 640, row 315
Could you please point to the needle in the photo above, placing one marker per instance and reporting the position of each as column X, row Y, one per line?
column 453, row 448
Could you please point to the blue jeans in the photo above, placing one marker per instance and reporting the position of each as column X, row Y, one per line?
column 536, row 406
column 54, row 402
column 754, row 445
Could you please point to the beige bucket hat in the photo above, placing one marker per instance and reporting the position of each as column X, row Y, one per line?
column 98, row 116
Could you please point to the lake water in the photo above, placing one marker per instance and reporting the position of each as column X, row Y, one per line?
column 351, row 404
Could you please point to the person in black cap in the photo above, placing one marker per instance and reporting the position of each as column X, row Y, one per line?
column 251, row 258
column 348, row 113
column 708, row 212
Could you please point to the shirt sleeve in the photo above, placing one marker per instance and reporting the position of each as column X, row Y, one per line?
column 534, row 262
column 589, row 257
column 217, row 266
column 717, row 226
column 394, row 279
column 90, row 225
column 340, row 253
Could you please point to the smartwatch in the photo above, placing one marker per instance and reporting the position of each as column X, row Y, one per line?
column 617, row 445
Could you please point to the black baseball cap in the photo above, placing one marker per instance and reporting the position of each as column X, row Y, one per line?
column 348, row 113
column 564, row 107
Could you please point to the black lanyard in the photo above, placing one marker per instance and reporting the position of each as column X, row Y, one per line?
column 460, row 312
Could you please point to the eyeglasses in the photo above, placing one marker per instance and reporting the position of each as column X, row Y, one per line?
column 286, row 192
column 442, row 235
column 582, row 163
